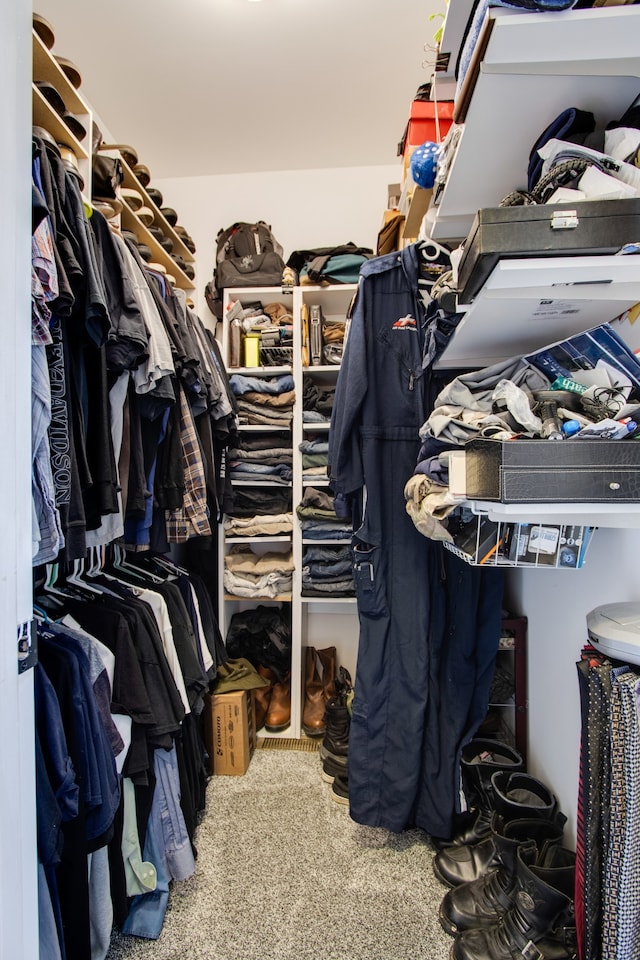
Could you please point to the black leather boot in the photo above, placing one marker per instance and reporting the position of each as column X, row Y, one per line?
column 481, row 758
column 482, row 902
column 516, row 796
column 337, row 719
column 540, row 923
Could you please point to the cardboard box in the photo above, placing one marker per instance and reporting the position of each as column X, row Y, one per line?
column 230, row 732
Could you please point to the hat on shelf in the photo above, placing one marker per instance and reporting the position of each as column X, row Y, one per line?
column 77, row 128
column 145, row 252
column 129, row 154
column 70, row 161
column 133, row 198
column 155, row 195
column 186, row 239
column 156, row 267
column 143, row 174
column 172, row 280
column 70, row 71
column 145, row 215
column 51, row 95
column 170, row 215
column 161, row 237
column 108, row 208
column 46, row 137
column 44, row 30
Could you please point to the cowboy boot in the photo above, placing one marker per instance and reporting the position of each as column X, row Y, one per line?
column 516, row 796
column 313, row 710
column 480, row 759
column 279, row 713
column 262, row 695
column 327, row 659
column 481, row 902
column 540, row 923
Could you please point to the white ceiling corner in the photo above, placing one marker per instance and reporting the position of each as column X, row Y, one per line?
column 203, row 87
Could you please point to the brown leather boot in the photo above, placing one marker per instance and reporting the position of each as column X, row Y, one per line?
column 313, row 710
column 327, row 658
column 262, row 695
column 279, row 712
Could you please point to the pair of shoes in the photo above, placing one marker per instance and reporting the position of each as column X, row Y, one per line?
column 319, row 688
column 540, row 920
column 483, row 901
column 273, row 703
column 516, row 796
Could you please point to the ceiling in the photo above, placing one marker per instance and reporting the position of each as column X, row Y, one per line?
column 202, row 87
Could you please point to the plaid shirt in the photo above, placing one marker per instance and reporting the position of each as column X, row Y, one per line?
column 44, row 282
column 192, row 518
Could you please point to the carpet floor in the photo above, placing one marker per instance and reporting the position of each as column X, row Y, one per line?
column 283, row 873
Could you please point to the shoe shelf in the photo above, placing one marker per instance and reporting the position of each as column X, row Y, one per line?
column 506, row 717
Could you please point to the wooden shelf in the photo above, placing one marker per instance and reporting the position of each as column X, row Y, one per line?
column 160, row 255
column 45, row 116
column 46, row 67
column 179, row 249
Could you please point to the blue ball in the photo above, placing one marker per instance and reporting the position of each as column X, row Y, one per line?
column 424, row 164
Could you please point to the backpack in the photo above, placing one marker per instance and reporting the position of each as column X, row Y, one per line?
column 247, row 255
column 326, row 265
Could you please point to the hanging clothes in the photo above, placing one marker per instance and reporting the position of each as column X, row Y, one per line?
column 429, row 625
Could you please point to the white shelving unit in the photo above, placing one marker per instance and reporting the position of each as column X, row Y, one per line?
column 534, row 66
column 526, row 304
column 315, row 621
column 530, row 67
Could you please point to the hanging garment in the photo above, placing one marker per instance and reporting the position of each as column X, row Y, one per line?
column 429, row 629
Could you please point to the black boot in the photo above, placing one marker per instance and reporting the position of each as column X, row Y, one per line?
column 481, row 758
column 540, row 923
column 337, row 720
column 516, row 796
column 481, row 902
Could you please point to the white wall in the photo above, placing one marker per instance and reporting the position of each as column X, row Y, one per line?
column 18, row 857
column 305, row 208
column 556, row 604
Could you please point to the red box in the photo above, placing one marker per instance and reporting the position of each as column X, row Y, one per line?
column 422, row 122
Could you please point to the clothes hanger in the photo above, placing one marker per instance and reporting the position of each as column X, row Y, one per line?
column 128, row 569
column 75, row 578
column 40, row 614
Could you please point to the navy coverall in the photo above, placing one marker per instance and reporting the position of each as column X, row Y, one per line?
column 429, row 624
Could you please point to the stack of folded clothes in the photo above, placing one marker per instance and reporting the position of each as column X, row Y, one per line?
column 264, row 401
column 260, row 457
column 248, row 574
column 315, row 456
column 327, row 571
column 318, row 519
column 317, row 402
column 255, row 501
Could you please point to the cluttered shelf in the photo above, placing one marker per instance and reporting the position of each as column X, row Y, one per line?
column 586, row 58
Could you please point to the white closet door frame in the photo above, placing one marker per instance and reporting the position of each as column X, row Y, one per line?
column 18, row 854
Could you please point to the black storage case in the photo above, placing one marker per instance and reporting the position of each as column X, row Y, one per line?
column 553, row 471
column 544, row 230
